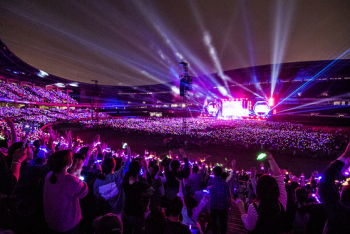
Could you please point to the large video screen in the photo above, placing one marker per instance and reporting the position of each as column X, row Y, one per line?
column 234, row 109
column 226, row 108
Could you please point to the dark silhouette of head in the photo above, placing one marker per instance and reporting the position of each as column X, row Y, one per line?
column 190, row 204
column 107, row 167
column 217, row 171
column 58, row 161
column 118, row 163
column 301, row 194
column 267, row 193
column 176, row 207
column 155, row 221
column 195, row 169
column 175, row 165
column 224, row 175
column 134, row 168
column 203, row 185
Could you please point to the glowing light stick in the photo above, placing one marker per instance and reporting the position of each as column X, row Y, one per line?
column 124, row 145
column 261, row 156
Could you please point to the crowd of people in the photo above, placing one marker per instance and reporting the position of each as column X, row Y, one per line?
column 286, row 137
column 35, row 94
column 59, row 184
column 45, row 116
column 282, row 136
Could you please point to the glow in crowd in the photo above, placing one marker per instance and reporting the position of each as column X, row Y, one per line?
column 245, row 132
column 35, row 94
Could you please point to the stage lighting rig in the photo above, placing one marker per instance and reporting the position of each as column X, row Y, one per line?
column 185, row 85
column 185, row 80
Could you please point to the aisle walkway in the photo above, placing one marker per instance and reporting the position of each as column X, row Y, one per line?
column 235, row 224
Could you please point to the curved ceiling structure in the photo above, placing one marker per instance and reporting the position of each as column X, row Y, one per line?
column 132, row 43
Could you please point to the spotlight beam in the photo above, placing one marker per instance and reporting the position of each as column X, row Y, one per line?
column 319, row 73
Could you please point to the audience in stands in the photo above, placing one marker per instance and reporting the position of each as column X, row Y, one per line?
column 35, row 94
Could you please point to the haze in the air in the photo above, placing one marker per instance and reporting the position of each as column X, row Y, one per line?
column 134, row 42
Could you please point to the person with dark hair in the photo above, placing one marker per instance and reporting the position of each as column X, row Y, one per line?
column 134, row 215
column 62, row 192
column 174, row 225
column 198, row 195
column 172, row 187
column 310, row 211
column 155, row 221
column 220, row 201
column 337, row 207
column 9, row 175
column 301, row 217
column 196, row 178
column 29, row 196
column 191, row 209
column 108, row 224
column 155, row 183
column 108, row 186
column 89, row 174
column 266, row 213
column 291, row 210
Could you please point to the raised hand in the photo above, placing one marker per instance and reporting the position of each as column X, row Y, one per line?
column 104, row 146
column 69, row 135
column 53, row 134
column 240, row 205
column 20, row 155
column 9, row 122
column 42, row 140
column 268, row 155
column 97, row 138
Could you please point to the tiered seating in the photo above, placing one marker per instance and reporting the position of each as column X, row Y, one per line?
column 36, row 94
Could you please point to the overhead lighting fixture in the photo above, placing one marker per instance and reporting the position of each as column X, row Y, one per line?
column 42, row 74
column 75, row 84
column 61, row 85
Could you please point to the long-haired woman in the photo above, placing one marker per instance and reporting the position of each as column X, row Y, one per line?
column 266, row 213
